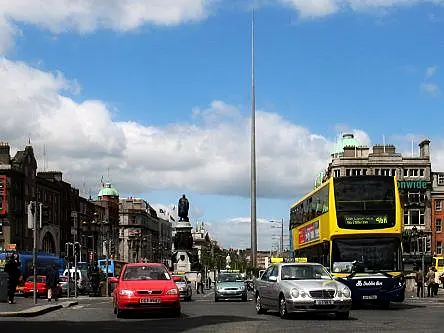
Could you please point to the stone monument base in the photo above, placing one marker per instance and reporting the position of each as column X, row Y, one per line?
column 182, row 262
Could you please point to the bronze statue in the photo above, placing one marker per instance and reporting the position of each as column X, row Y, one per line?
column 183, row 208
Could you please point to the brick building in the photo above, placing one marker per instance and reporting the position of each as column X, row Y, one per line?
column 437, row 199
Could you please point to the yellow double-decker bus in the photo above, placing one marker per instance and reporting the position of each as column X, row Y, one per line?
column 352, row 225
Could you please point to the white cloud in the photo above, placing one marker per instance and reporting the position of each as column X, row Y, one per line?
column 431, row 89
column 89, row 15
column 428, row 87
column 321, row 8
column 430, row 72
column 208, row 155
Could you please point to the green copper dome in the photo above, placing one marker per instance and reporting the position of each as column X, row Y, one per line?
column 108, row 190
column 347, row 140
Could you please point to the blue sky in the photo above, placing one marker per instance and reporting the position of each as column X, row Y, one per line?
column 161, row 97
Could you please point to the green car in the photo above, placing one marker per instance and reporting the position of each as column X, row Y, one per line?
column 230, row 286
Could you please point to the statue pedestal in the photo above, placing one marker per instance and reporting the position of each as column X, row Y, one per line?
column 183, row 263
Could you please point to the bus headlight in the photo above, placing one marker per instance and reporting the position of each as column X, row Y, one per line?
column 294, row 293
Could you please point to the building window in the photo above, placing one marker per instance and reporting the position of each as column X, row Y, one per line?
column 440, row 179
column 421, row 172
column 437, row 205
column 438, row 225
column 393, row 172
column 413, row 172
column 347, row 172
column 406, row 172
column 364, row 172
column 337, row 173
column 416, row 197
column 438, row 247
column 414, row 217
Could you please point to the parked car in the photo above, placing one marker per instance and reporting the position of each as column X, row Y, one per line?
column 64, row 285
column 184, row 286
column 301, row 287
column 230, row 286
column 42, row 289
column 145, row 287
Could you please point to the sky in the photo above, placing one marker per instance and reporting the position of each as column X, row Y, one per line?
column 154, row 95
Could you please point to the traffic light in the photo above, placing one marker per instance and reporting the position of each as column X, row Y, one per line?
column 69, row 253
column 429, row 244
column 77, row 249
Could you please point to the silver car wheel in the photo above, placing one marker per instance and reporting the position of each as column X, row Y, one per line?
column 259, row 308
column 283, row 307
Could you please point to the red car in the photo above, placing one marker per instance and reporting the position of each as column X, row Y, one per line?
column 42, row 289
column 145, row 287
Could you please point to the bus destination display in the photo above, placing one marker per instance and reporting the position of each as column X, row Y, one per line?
column 366, row 221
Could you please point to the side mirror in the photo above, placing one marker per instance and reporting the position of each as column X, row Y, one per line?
column 272, row 278
column 113, row 280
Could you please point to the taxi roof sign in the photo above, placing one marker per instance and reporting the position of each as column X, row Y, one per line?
column 276, row 260
column 300, row 259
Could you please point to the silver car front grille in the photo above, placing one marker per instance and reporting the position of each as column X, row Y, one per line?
column 322, row 294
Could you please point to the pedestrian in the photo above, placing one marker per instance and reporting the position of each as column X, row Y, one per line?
column 209, row 282
column 437, row 281
column 430, row 282
column 12, row 267
column 52, row 282
column 198, row 282
column 419, row 284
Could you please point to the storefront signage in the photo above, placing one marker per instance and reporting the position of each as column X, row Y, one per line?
column 309, row 233
column 414, row 184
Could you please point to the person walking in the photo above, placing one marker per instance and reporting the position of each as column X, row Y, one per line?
column 430, row 282
column 12, row 267
column 52, row 282
column 419, row 284
column 198, row 282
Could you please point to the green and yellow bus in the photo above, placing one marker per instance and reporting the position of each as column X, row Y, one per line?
column 353, row 226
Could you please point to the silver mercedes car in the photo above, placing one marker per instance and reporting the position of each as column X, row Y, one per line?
column 301, row 287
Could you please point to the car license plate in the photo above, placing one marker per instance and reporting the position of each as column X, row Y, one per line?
column 150, row 300
column 370, row 297
column 324, row 302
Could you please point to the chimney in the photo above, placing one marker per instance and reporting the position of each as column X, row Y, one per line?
column 424, row 148
column 5, row 150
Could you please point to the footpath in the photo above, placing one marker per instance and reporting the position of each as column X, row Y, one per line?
column 25, row 307
column 410, row 297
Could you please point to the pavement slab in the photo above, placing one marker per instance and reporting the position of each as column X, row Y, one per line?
column 36, row 310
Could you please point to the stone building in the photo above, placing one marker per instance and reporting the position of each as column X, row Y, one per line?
column 22, row 184
column 413, row 173
column 108, row 225
column 138, row 230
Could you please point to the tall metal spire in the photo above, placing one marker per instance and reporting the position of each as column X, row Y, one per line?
column 253, row 151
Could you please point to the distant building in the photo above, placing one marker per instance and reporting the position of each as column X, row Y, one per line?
column 143, row 235
column 108, row 199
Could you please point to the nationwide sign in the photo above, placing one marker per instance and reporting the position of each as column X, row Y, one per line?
column 414, row 184
column 309, row 233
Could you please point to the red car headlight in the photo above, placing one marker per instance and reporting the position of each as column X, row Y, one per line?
column 173, row 291
column 124, row 292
